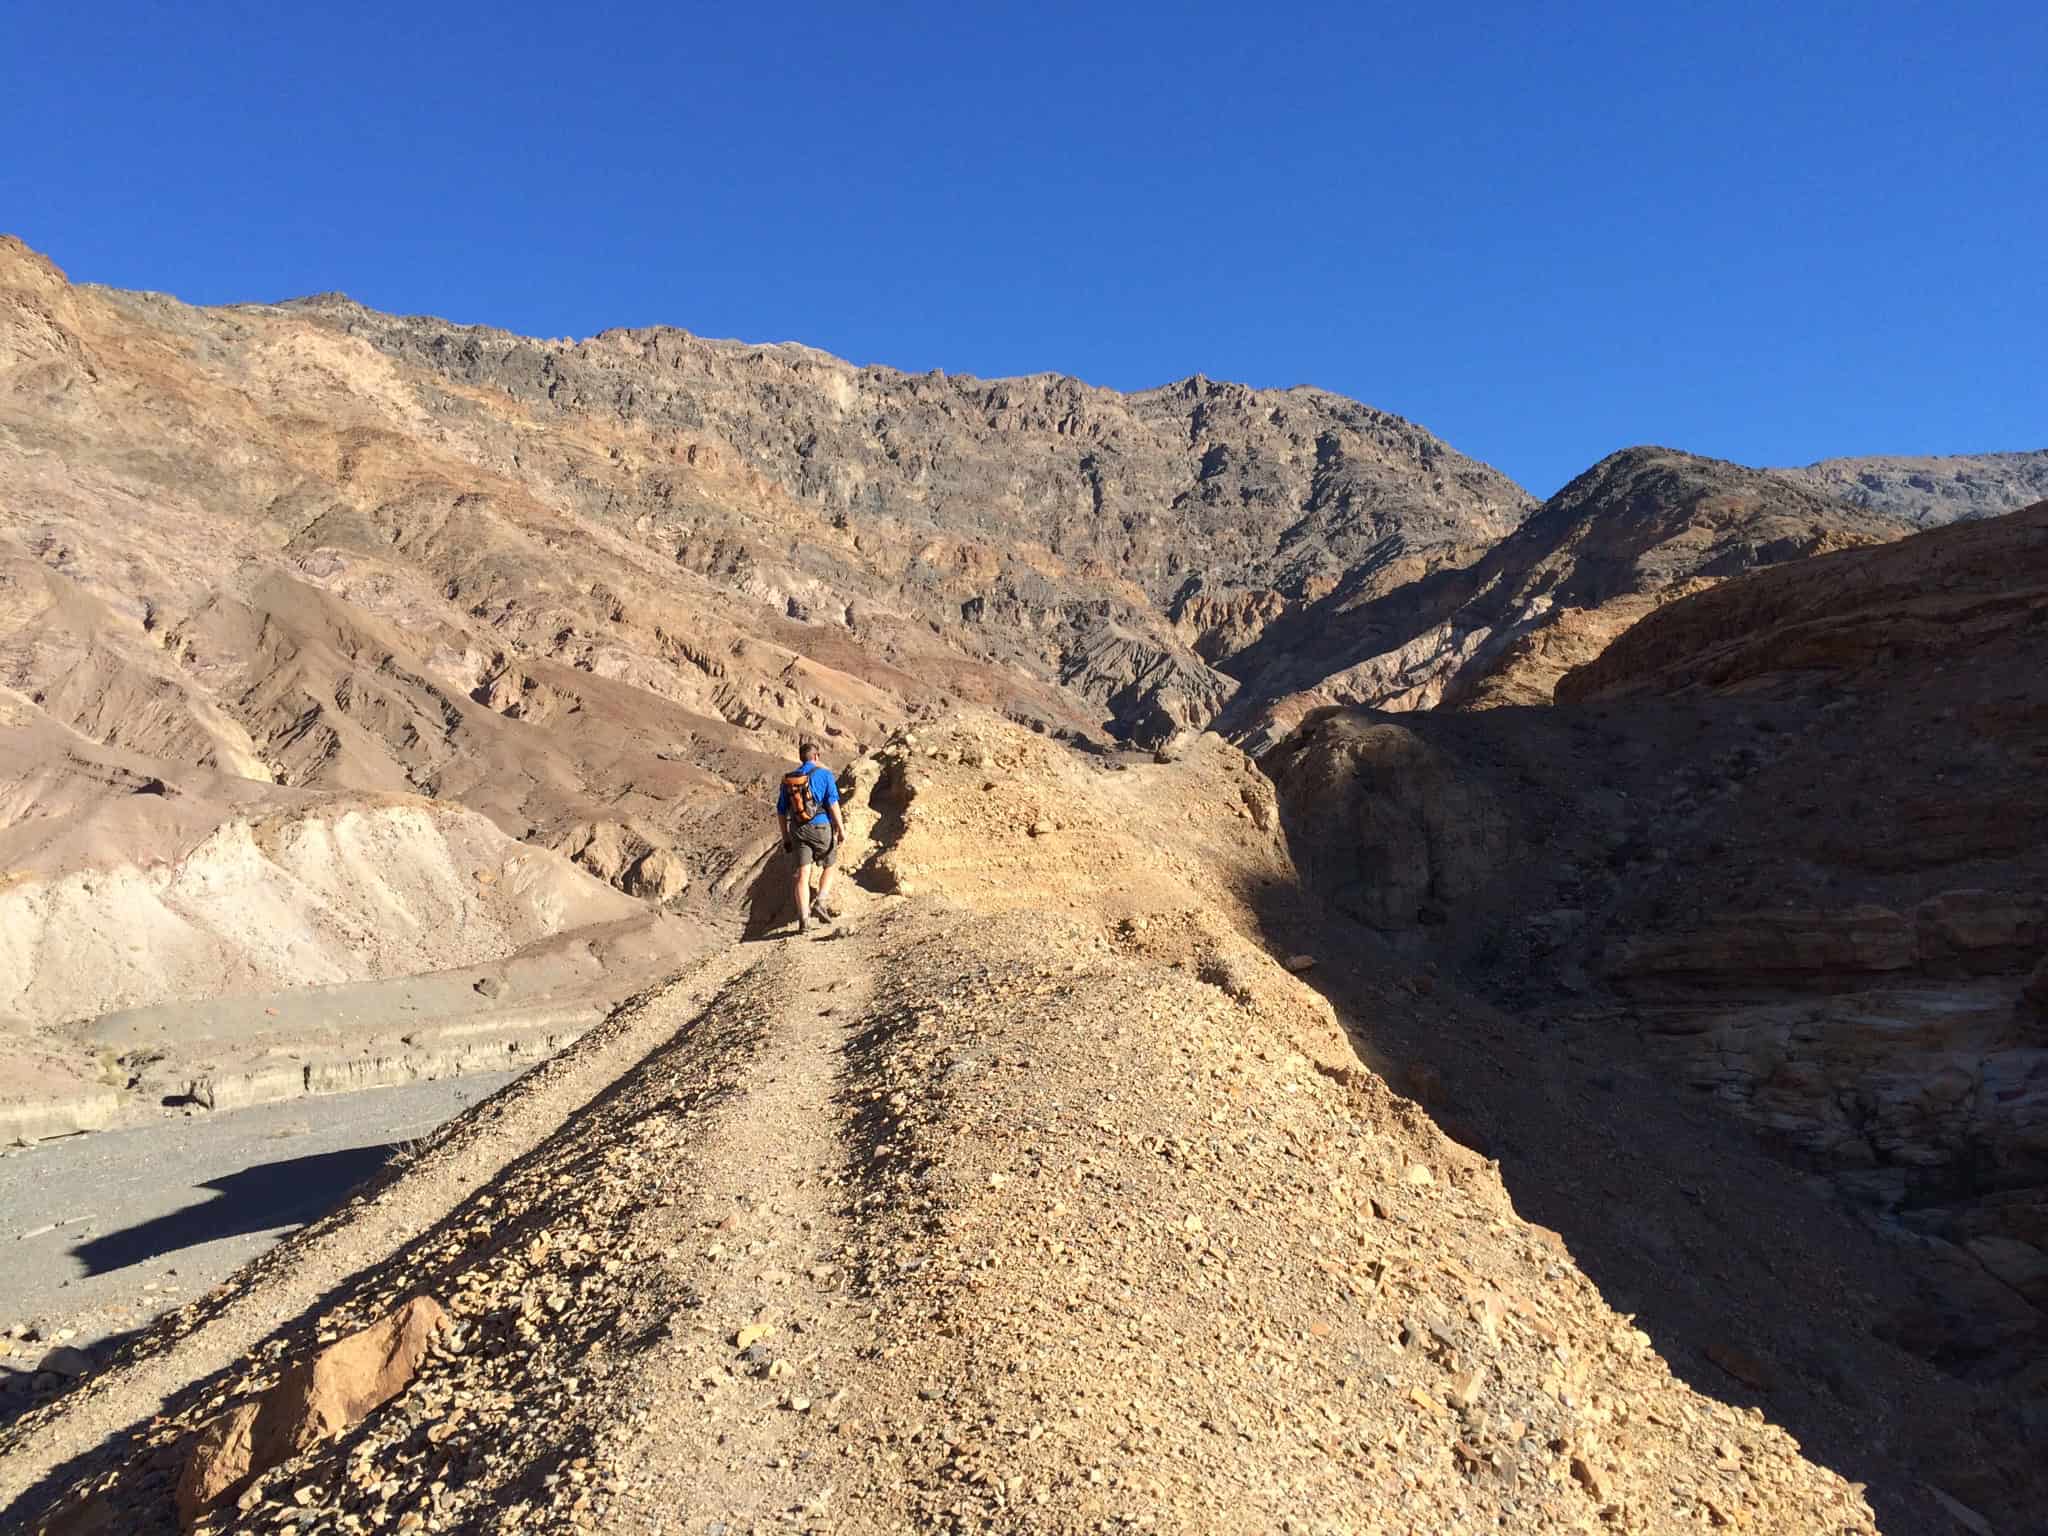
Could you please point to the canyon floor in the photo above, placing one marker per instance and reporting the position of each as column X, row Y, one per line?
column 103, row 1232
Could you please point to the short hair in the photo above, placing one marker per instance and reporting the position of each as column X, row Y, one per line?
column 807, row 749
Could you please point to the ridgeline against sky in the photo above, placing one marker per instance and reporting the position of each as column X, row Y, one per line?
column 1769, row 234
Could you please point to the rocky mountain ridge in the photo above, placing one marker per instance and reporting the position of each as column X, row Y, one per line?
column 1637, row 529
column 264, row 566
column 1930, row 490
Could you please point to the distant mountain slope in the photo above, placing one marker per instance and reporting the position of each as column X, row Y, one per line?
column 1196, row 480
column 1929, row 491
column 1036, row 507
column 1640, row 526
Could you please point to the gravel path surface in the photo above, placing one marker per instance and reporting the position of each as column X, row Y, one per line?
column 100, row 1233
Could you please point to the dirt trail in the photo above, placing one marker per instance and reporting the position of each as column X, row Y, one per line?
column 764, row 1188
column 295, row 1276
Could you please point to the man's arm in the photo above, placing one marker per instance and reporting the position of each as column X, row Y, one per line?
column 838, row 826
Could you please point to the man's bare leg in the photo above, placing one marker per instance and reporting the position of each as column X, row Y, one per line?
column 803, row 896
column 824, row 898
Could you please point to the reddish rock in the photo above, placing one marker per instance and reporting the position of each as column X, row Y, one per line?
column 223, row 1458
column 315, row 1400
column 1788, row 944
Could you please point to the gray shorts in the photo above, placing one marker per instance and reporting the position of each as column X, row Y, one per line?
column 815, row 844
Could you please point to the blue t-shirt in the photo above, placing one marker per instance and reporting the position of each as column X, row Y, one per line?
column 824, row 790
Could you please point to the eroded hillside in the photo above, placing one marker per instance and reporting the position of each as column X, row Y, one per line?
column 1040, row 1197
column 1776, row 856
column 373, row 687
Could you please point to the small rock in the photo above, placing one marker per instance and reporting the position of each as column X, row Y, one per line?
column 1961, row 1513
column 1418, row 1175
column 1745, row 1368
column 1300, row 963
column 489, row 986
column 1592, row 1479
column 66, row 1361
column 1042, row 829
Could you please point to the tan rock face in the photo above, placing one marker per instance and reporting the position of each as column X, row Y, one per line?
column 660, row 875
column 222, row 1458
column 314, row 1401
column 333, row 1391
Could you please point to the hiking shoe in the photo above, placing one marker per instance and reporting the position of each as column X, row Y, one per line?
column 823, row 913
column 803, row 927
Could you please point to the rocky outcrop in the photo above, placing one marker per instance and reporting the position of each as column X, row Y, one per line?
column 1384, row 824
column 1782, row 848
column 1972, row 588
column 316, row 1400
column 1773, row 948
column 310, row 893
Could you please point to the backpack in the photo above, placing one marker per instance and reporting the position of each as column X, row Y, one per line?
column 803, row 805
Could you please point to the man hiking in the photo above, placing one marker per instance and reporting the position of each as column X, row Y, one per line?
column 811, row 830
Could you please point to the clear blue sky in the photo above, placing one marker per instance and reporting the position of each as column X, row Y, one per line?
column 1770, row 232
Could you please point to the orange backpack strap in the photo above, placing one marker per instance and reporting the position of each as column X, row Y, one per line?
column 797, row 787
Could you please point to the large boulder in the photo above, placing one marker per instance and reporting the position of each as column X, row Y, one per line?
column 313, row 1401
column 660, row 876
column 1384, row 822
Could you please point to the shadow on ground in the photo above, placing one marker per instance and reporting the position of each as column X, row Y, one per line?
column 1756, row 1290
column 260, row 1198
